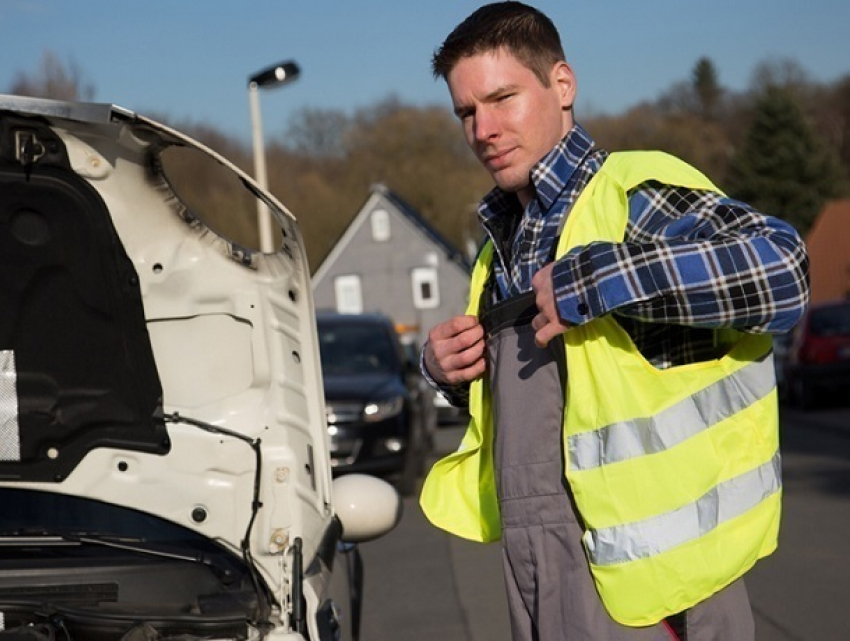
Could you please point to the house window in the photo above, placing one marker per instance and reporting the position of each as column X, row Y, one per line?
column 349, row 296
column 426, row 294
column 380, row 220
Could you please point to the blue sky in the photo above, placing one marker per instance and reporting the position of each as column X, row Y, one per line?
column 190, row 59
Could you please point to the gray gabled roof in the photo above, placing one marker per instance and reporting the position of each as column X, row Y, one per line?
column 452, row 252
column 381, row 191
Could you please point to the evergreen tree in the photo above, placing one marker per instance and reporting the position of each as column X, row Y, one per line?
column 783, row 168
column 706, row 88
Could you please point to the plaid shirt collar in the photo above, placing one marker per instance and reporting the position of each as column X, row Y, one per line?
column 549, row 177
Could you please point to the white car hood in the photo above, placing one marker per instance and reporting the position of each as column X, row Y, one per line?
column 180, row 375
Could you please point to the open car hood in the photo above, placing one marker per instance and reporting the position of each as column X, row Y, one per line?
column 148, row 361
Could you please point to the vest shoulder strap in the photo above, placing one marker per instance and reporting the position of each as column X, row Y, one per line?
column 631, row 168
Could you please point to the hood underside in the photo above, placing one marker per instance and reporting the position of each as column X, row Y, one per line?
column 75, row 358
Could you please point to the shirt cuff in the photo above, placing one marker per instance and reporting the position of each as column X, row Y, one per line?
column 577, row 300
column 456, row 395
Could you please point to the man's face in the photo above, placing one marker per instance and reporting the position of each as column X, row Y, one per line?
column 510, row 119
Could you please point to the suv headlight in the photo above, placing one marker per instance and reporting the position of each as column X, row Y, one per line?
column 381, row 410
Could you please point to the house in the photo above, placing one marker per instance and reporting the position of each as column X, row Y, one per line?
column 828, row 243
column 390, row 260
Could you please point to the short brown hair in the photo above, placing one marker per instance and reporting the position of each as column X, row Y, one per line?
column 525, row 32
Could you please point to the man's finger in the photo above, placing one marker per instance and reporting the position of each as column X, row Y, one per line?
column 539, row 322
column 547, row 332
column 467, row 374
column 453, row 327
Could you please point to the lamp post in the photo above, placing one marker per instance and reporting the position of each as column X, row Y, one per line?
column 274, row 76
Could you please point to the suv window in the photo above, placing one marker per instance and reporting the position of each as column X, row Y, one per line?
column 831, row 321
column 356, row 348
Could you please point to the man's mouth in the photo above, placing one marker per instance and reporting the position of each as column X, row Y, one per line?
column 497, row 160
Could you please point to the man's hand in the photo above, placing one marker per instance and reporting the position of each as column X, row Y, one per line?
column 454, row 352
column 547, row 324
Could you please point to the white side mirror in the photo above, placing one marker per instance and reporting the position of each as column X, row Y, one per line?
column 367, row 507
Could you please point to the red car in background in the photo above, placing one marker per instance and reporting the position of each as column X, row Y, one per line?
column 819, row 358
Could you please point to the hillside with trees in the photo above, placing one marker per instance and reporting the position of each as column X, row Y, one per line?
column 782, row 145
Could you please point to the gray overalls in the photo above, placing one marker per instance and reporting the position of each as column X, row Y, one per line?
column 550, row 591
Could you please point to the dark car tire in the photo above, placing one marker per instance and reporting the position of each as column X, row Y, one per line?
column 414, row 464
column 409, row 477
column 802, row 394
column 355, row 572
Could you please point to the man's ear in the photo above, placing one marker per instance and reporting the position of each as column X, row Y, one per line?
column 565, row 81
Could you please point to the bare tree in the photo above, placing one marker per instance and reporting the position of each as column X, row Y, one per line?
column 53, row 79
column 782, row 73
column 318, row 132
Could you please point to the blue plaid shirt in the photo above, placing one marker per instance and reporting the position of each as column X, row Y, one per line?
column 692, row 261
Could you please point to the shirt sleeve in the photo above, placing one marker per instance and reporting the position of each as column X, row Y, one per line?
column 690, row 257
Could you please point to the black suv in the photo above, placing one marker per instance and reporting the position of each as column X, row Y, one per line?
column 378, row 419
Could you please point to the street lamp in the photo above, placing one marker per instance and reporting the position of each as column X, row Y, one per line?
column 274, row 76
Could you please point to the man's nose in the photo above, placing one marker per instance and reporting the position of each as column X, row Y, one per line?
column 486, row 126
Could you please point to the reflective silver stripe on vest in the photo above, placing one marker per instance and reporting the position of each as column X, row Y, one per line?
column 660, row 533
column 687, row 418
column 10, row 438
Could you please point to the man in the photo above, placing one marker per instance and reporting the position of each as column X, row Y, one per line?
column 615, row 359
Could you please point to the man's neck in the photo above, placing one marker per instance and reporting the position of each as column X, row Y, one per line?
column 526, row 194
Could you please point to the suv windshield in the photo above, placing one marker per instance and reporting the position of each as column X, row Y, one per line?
column 356, row 349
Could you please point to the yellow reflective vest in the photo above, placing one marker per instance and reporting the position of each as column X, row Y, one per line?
column 675, row 472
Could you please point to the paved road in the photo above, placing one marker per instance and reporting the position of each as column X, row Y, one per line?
column 423, row 585
column 803, row 591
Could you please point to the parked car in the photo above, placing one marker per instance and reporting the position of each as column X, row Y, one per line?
column 818, row 360
column 164, row 462
column 376, row 416
column 448, row 414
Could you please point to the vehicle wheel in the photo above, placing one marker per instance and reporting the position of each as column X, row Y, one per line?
column 355, row 569
column 410, row 473
column 802, row 394
column 414, row 463
column 782, row 393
